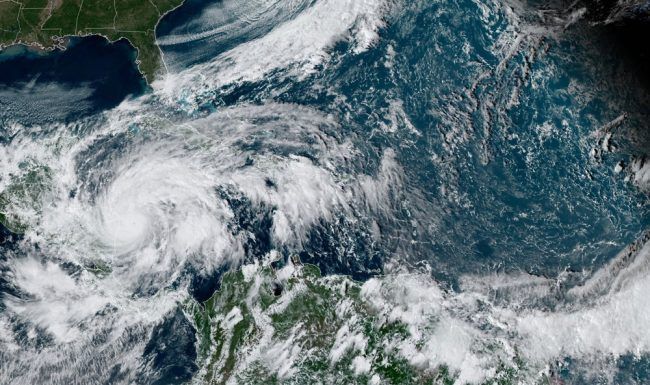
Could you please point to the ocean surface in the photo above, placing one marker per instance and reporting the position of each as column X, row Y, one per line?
column 90, row 76
column 492, row 148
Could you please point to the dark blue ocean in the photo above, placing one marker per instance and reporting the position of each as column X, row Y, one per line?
column 495, row 184
column 90, row 76
column 514, row 153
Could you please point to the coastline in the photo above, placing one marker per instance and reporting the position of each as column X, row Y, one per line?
column 62, row 43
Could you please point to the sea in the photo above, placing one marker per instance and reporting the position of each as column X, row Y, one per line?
column 488, row 145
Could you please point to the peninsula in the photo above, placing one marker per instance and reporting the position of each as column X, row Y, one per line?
column 46, row 24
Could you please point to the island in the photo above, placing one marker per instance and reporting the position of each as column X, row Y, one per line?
column 47, row 24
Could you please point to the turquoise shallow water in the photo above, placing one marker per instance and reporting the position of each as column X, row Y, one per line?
column 497, row 153
column 467, row 138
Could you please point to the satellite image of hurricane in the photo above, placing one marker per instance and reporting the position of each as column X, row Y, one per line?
column 324, row 192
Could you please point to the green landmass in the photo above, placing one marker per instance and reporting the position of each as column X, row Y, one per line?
column 250, row 332
column 23, row 194
column 47, row 23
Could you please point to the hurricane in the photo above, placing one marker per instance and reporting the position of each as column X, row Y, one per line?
column 330, row 191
